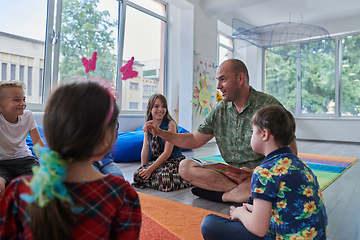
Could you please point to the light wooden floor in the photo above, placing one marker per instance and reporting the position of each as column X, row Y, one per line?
column 342, row 198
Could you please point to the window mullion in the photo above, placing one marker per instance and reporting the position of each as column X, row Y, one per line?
column 298, row 83
column 338, row 76
column 55, row 80
column 48, row 51
column 121, row 37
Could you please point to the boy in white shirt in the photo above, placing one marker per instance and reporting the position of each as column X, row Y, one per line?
column 15, row 123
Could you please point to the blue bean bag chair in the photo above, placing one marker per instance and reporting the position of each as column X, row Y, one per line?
column 128, row 145
column 30, row 143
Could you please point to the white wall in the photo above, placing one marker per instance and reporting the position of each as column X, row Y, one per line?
column 180, row 62
column 344, row 130
column 344, row 25
column 205, row 55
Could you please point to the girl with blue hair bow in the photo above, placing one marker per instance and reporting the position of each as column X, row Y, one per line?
column 67, row 198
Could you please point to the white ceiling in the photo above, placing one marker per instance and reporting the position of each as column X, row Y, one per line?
column 263, row 12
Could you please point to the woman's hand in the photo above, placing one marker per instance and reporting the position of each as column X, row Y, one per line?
column 145, row 173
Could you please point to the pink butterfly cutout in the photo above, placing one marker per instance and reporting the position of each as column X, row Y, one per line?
column 128, row 71
column 90, row 64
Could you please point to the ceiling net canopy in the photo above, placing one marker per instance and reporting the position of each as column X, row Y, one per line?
column 281, row 37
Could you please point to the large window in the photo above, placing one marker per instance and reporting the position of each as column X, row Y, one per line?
column 144, row 39
column 44, row 43
column 22, row 44
column 88, row 27
column 310, row 85
column 280, row 78
column 318, row 78
column 350, row 76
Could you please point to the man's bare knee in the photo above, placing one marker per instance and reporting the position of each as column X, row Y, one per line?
column 185, row 168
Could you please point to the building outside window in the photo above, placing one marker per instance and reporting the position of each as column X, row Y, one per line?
column 3, row 71
column 134, row 86
column 21, row 73
column 29, row 82
column 40, row 81
column 134, row 105
column 23, row 45
column 12, row 72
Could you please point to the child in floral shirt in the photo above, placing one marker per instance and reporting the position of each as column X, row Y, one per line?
column 287, row 200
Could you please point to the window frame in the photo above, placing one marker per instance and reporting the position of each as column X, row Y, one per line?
column 52, row 49
column 46, row 78
column 219, row 44
column 121, row 40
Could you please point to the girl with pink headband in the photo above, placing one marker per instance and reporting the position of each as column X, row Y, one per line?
column 67, row 198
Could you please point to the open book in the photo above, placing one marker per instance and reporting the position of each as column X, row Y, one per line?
column 218, row 166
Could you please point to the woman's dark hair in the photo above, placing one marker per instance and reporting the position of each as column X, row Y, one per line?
column 279, row 121
column 74, row 123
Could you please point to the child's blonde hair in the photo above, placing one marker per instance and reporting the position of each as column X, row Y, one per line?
column 10, row 84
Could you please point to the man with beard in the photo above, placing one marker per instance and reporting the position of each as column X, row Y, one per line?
column 229, row 121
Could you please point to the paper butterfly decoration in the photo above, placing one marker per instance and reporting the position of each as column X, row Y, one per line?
column 90, row 64
column 128, row 71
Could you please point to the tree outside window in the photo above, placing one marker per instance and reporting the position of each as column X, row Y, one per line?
column 351, row 76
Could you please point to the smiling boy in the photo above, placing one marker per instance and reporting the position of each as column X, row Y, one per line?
column 15, row 123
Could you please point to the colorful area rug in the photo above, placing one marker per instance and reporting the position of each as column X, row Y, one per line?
column 326, row 168
column 165, row 219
